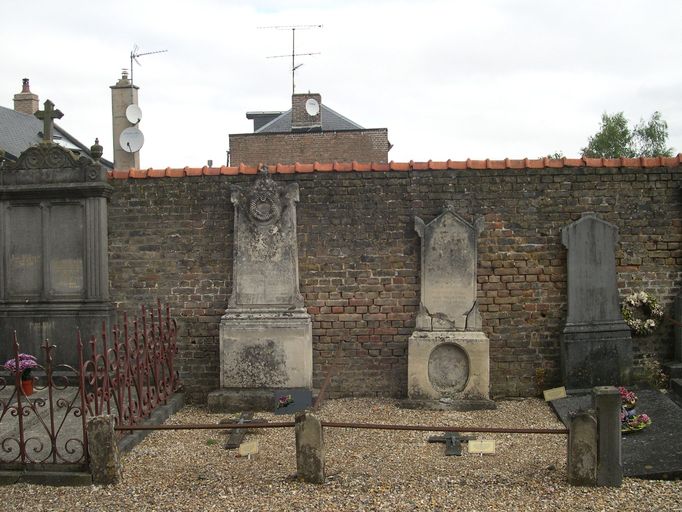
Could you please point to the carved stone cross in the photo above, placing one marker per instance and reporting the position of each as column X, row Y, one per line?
column 48, row 116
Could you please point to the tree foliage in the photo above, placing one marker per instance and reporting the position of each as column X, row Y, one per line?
column 616, row 139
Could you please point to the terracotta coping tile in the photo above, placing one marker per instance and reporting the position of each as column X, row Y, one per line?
column 397, row 166
column 671, row 161
column 343, row 167
column 613, row 162
column 536, row 163
column 456, row 165
column 514, row 164
column 298, row 167
column 437, row 166
column 358, row 167
column 246, row 169
column 324, row 167
column 120, row 174
column 593, row 162
column 574, row 162
column 157, row 173
column 229, row 171
column 284, row 168
column 554, row 163
column 475, row 164
column 211, row 171
column 138, row 173
column 175, row 173
column 651, row 162
column 194, row 171
column 495, row 164
column 380, row 167
column 418, row 166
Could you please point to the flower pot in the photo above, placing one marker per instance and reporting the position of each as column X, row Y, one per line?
column 27, row 387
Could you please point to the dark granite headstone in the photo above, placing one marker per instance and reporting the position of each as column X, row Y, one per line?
column 596, row 346
column 53, row 266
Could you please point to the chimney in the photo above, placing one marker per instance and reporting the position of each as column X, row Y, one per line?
column 123, row 94
column 306, row 112
column 26, row 102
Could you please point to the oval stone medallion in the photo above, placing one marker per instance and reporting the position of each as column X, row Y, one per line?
column 448, row 368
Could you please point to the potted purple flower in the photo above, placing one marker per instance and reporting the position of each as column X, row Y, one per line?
column 26, row 363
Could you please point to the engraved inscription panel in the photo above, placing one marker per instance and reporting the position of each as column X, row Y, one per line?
column 66, row 249
column 25, row 258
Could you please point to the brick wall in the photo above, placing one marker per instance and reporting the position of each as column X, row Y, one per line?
column 288, row 148
column 359, row 261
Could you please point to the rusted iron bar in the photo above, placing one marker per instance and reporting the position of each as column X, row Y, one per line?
column 368, row 426
column 432, row 428
column 207, row 426
column 328, row 378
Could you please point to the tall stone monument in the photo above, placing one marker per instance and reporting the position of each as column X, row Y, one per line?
column 596, row 346
column 54, row 275
column 266, row 333
column 448, row 355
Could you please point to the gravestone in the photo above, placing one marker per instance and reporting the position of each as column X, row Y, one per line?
column 596, row 345
column 674, row 367
column 265, row 333
column 448, row 355
column 53, row 247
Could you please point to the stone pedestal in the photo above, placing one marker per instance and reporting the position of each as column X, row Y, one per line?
column 448, row 355
column 448, row 370
column 596, row 345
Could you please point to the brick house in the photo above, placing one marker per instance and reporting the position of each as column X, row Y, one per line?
column 308, row 132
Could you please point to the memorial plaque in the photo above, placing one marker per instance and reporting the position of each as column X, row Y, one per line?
column 481, row 446
column 66, row 249
column 25, row 265
column 448, row 273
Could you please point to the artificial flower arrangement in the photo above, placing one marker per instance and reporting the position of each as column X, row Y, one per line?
column 26, row 363
column 629, row 420
column 642, row 313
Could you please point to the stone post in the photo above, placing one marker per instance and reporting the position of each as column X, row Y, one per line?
column 606, row 401
column 309, row 448
column 582, row 449
column 105, row 463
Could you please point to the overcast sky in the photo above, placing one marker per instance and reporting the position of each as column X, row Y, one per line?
column 449, row 79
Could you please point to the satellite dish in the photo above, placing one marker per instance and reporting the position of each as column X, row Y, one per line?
column 133, row 114
column 131, row 139
column 312, row 107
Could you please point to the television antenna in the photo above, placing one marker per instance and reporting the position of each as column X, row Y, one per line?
column 293, row 53
column 135, row 54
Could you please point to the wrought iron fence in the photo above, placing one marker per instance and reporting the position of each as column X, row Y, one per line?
column 128, row 374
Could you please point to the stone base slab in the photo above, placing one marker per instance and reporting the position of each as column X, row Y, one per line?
column 448, row 405
column 448, row 367
column 266, row 350
column 240, row 399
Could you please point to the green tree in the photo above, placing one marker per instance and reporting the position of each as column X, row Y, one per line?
column 616, row 139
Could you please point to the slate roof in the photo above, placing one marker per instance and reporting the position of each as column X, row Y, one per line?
column 19, row 131
column 332, row 121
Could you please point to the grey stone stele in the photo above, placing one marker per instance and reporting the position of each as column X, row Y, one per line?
column 582, row 449
column 596, row 344
column 265, row 333
column 448, row 354
column 310, row 459
column 607, row 404
column 54, row 273
column 105, row 461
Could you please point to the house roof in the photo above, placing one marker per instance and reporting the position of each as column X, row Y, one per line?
column 449, row 165
column 19, row 131
column 331, row 120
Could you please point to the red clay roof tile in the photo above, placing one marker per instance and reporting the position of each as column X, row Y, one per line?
column 541, row 163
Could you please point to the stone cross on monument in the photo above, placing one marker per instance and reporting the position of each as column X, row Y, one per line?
column 48, row 116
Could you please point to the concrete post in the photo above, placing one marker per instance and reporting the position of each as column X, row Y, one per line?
column 105, row 463
column 309, row 448
column 606, row 402
column 582, row 449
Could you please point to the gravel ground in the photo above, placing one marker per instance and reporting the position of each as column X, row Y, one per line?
column 366, row 469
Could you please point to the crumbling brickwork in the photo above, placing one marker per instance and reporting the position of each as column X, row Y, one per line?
column 171, row 238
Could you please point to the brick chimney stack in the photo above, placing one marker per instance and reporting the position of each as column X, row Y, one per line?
column 123, row 94
column 306, row 112
column 26, row 102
